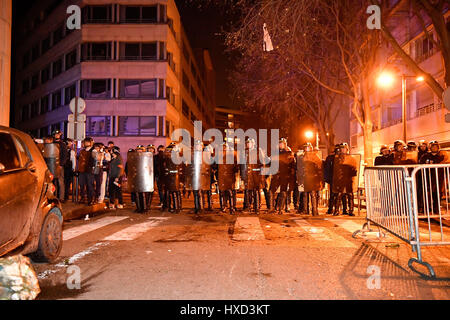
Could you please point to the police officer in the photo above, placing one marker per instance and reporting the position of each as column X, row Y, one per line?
column 69, row 168
column 250, row 169
column 63, row 158
column 227, row 178
column 411, row 146
column 423, row 148
column 280, row 180
column 435, row 156
column 398, row 153
column 328, row 177
column 85, row 167
column 141, row 197
column 384, row 159
column 344, row 184
column 312, row 180
column 171, row 180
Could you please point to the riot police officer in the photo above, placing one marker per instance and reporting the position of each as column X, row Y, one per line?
column 227, row 169
column 328, row 177
column 171, row 178
column 397, row 154
column 85, row 168
column 280, row 180
column 384, row 159
column 198, row 175
column 312, row 179
column 250, row 171
column 423, row 148
column 63, row 158
column 345, row 171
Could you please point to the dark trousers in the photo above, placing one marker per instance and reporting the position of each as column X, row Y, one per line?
column 114, row 191
column 160, row 190
column 98, row 184
column 86, row 181
column 68, row 182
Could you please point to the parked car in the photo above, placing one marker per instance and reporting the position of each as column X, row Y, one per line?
column 30, row 216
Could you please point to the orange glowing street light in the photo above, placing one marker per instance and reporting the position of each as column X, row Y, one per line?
column 310, row 135
column 386, row 79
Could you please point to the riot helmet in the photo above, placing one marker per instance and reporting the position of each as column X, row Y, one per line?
column 140, row 148
column 434, row 146
column 384, row 150
column 344, row 148
column 283, row 141
column 411, row 146
column 423, row 145
column 151, row 148
column 399, row 144
column 308, row 147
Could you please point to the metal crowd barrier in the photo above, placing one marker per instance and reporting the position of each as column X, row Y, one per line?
column 410, row 202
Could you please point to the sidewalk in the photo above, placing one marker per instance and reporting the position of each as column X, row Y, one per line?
column 79, row 210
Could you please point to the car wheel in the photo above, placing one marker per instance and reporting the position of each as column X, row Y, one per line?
column 50, row 239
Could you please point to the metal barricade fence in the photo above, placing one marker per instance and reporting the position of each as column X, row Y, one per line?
column 410, row 202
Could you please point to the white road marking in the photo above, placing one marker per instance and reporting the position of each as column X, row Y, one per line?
column 135, row 231
column 248, row 228
column 323, row 234
column 85, row 228
column 350, row 226
column 315, row 232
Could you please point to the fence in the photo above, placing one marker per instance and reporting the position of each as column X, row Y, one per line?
column 410, row 202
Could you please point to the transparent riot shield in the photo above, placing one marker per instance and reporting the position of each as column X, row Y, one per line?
column 51, row 157
column 313, row 171
column 198, row 173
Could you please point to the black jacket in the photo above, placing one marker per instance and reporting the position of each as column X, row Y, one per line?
column 328, row 169
column 384, row 161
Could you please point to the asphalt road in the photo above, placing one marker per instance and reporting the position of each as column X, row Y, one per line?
column 124, row 255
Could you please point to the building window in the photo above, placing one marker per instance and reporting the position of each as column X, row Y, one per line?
column 25, row 86
column 96, row 51
column 170, row 96
column 44, row 104
column 35, row 109
column 35, row 53
column 162, row 13
column 138, row 51
column 162, row 51
column 98, row 126
column 58, row 34
column 56, row 99
column 167, row 128
column 171, row 62
column 138, row 88
column 424, row 48
column 162, row 85
column 186, row 82
column 193, row 117
column 186, row 52
column 137, row 126
column 26, row 59
column 97, row 14
column 70, row 93
column 137, row 14
column 160, row 126
column 71, row 59
column 25, row 113
column 57, row 68
column 45, row 74
column 45, row 45
column 96, row 89
column 185, row 109
column 34, row 80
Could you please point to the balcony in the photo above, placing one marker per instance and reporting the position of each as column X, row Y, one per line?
column 428, row 109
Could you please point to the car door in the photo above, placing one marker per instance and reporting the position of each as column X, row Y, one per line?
column 18, row 186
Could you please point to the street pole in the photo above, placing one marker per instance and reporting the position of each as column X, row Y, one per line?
column 404, row 106
column 317, row 140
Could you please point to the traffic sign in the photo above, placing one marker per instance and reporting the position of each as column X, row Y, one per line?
column 81, row 118
column 80, row 128
column 77, row 105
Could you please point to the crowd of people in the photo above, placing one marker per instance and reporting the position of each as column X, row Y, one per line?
column 301, row 177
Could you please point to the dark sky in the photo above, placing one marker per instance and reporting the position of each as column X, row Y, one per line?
column 203, row 27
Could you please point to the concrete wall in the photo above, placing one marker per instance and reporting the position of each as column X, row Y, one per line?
column 5, row 60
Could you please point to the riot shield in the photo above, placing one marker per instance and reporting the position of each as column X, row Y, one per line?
column 198, row 173
column 407, row 157
column 313, row 171
column 300, row 172
column 346, row 173
column 446, row 154
column 140, row 172
column 172, row 172
column 51, row 157
column 227, row 171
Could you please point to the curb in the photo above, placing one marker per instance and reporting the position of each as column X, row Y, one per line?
column 84, row 210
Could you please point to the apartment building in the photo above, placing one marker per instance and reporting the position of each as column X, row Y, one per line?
column 425, row 114
column 131, row 61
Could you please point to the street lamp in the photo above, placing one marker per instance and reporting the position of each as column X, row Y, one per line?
column 386, row 80
column 310, row 135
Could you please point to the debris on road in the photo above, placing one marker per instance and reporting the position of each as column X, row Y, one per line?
column 18, row 280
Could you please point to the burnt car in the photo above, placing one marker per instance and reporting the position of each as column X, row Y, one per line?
column 30, row 216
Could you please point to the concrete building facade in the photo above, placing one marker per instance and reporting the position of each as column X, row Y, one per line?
column 131, row 61
column 425, row 113
column 5, row 60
